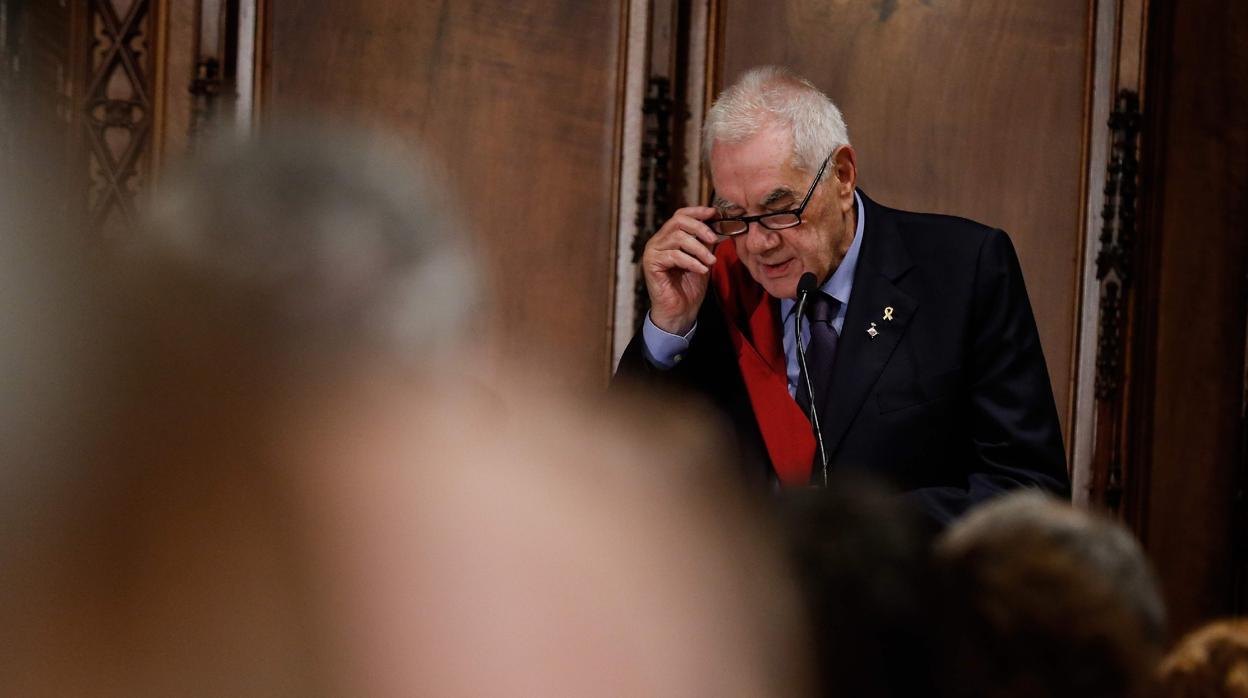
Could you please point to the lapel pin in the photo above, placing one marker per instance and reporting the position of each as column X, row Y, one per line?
column 888, row 313
column 872, row 331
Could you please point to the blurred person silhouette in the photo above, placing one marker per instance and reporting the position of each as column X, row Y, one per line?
column 54, row 382
column 1209, row 662
column 165, row 557
column 560, row 555
column 297, row 489
column 861, row 555
column 1042, row 599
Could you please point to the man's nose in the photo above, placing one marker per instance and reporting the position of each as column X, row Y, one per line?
column 760, row 239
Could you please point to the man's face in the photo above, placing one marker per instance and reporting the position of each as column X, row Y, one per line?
column 757, row 176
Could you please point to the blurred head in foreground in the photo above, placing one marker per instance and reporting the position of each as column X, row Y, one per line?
column 862, row 560
column 547, row 549
column 1047, row 600
column 293, row 492
column 331, row 242
column 1211, row 662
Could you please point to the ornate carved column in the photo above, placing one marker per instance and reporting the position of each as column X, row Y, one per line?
column 665, row 89
column 1107, row 468
column 1115, row 269
column 154, row 74
column 117, row 109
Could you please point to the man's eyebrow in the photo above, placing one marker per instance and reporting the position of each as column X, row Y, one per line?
column 776, row 195
column 771, row 198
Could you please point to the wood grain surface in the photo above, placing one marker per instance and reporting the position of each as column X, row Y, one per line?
column 518, row 102
column 1195, row 208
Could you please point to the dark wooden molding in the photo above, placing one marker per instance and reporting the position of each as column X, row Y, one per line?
column 1239, row 501
column 42, row 48
column 1117, row 268
column 205, row 90
column 215, row 84
column 654, row 195
column 8, row 88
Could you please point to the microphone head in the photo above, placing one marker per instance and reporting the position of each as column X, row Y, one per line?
column 807, row 283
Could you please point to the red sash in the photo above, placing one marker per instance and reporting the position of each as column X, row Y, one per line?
column 757, row 337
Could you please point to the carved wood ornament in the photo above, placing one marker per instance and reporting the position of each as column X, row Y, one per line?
column 117, row 110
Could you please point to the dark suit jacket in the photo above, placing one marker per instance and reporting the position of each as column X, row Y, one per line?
column 950, row 402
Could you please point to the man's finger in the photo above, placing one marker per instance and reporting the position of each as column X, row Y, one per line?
column 684, row 228
column 679, row 259
column 691, row 245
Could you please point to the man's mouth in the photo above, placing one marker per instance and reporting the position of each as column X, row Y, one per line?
column 772, row 271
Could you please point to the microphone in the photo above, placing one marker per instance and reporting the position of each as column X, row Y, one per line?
column 807, row 284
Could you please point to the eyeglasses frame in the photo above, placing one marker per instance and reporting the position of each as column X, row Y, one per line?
column 760, row 218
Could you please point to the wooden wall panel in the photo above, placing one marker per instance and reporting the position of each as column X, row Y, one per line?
column 1196, row 145
column 40, row 143
column 519, row 100
column 969, row 108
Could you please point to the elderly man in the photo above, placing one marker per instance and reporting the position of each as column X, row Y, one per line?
column 925, row 365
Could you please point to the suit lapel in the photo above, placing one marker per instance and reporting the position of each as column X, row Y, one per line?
column 860, row 356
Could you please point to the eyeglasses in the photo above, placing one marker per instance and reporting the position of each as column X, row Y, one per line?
column 778, row 220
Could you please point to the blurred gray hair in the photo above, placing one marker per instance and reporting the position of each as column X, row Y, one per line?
column 56, row 361
column 772, row 95
column 1097, row 544
column 338, row 239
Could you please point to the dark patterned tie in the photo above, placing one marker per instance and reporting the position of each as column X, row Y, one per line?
column 820, row 350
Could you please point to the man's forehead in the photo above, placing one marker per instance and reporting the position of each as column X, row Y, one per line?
column 752, row 165
column 754, row 171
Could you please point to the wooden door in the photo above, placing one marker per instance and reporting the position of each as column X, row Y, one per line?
column 519, row 103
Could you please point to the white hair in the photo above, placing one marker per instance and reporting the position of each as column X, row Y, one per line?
column 772, row 95
column 332, row 230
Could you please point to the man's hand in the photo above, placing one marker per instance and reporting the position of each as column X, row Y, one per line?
column 676, row 265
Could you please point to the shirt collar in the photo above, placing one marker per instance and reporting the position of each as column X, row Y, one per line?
column 841, row 283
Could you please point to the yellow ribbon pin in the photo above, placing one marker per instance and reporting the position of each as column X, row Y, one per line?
column 888, row 313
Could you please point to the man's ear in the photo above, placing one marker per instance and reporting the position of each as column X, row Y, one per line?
column 844, row 168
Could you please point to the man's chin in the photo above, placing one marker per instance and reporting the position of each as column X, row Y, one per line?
column 779, row 288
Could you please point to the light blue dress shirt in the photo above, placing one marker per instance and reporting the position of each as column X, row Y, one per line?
column 664, row 350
